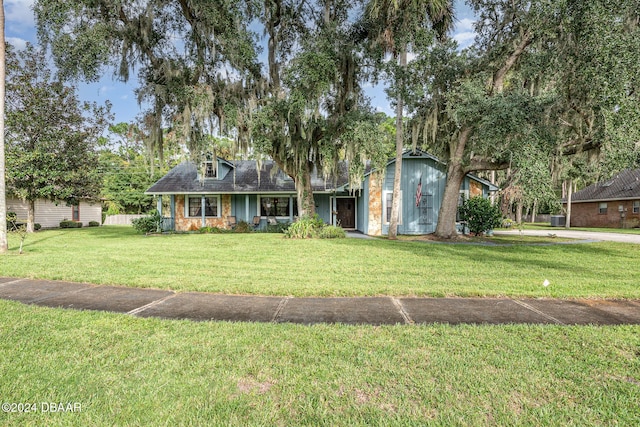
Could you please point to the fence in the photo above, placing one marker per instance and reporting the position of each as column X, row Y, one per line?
column 539, row 218
column 121, row 219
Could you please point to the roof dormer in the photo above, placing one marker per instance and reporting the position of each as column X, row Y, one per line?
column 210, row 167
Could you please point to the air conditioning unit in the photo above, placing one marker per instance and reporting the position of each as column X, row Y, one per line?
column 558, row 220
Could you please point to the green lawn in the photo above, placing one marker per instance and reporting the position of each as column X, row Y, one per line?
column 268, row 264
column 124, row 370
column 541, row 226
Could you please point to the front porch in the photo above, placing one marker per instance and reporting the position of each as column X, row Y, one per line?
column 188, row 212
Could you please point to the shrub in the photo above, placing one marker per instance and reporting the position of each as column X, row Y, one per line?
column 480, row 215
column 332, row 232
column 37, row 226
column 280, row 227
column 507, row 223
column 148, row 224
column 210, row 230
column 70, row 224
column 305, row 228
column 243, row 227
column 94, row 224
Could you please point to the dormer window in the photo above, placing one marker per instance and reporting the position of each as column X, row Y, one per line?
column 210, row 169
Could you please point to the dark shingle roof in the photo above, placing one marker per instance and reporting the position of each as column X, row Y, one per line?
column 184, row 179
column 624, row 185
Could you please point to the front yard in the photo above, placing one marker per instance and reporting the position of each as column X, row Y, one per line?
column 123, row 370
column 268, row 264
column 111, row 369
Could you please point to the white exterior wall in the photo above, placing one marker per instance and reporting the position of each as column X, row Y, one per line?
column 49, row 215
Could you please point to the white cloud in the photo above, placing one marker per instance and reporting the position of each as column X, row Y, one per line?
column 464, row 38
column 465, row 24
column 16, row 42
column 20, row 13
column 465, row 32
column 103, row 90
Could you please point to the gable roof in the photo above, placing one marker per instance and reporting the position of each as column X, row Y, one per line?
column 421, row 154
column 624, row 185
column 242, row 178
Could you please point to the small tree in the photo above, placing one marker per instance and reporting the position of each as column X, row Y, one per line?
column 50, row 135
column 480, row 215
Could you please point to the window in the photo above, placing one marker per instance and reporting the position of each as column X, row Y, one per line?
column 75, row 213
column 602, row 208
column 387, row 206
column 194, row 206
column 636, row 206
column 462, row 196
column 210, row 170
column 278, row 206
column 426, row 209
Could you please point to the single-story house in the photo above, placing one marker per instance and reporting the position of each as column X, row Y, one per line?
column 49, row 214
column 239, row 190
column 614, row 203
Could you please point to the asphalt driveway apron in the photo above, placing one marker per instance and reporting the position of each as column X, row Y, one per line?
column 359, row 310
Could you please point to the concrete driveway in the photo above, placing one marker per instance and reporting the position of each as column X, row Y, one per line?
column 575, row 234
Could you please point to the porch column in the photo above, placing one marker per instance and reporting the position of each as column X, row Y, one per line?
column 246, row 207
column 290, row 208
column 334, row 207
column 172, row 211
column 202, row 205
column 159, row 204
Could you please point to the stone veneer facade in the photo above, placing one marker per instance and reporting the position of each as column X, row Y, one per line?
column 191, row 224
column 375, row 204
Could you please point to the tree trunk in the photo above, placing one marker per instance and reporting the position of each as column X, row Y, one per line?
column 534, row 210
column 519, row 212
column 4, row 246
column 306, row 203
column 446, row 227
column 31, row 215
column 567, row 223
column 397, row 177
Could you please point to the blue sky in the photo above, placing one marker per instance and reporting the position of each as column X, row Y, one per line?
column 20, row 28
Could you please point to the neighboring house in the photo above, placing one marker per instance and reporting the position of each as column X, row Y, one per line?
column 614, row 203
column 49, row 214
column 238, row 189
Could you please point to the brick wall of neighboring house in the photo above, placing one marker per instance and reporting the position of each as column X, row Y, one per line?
column 588, row 215
column 192, row 224
column 375, row 204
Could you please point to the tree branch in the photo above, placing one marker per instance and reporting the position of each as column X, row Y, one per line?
column 571, row 149
column 481, row 164
column 499, row 75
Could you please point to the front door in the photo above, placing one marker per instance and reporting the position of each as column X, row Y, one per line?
column 346, row 212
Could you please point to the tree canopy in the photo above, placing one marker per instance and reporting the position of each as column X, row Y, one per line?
column 533, row 87
column 544, row 81
column 50, row 134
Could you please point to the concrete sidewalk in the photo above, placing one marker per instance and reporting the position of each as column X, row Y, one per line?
column 360, row 310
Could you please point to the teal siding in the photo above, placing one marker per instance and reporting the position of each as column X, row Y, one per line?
column 417, row 219
column 237, row 207
column 362, row 212
column 223, row 169
column 323, row 207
